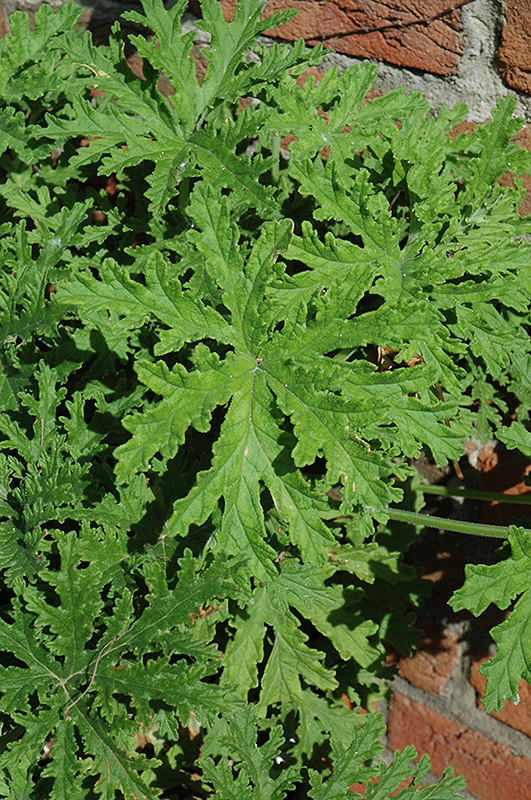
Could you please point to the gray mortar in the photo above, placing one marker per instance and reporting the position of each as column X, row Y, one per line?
column 468, row 715
column 9, row 7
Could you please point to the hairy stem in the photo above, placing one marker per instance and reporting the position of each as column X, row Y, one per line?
column 426, row 520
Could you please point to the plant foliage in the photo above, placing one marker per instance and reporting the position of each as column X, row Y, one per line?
column 200, row 439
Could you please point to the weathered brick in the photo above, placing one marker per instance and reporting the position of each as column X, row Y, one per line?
column 434, row 663
column 491, row 770
column 503, row 471
column 517, row 716
column 418, row 34
column 514, row 52
column 6, row 8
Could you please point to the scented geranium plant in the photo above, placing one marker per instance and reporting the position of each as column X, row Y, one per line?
column 231, row 318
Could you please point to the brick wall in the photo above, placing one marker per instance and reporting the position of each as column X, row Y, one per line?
column 472, row 51
column 436, row 696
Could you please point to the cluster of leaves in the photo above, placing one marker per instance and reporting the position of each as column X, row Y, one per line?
column 198, row 441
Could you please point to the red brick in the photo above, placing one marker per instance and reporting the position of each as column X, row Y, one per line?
column 517, row 716
column 417, row 34
column 4, row 23
column 503, row 472
column 514, row 53
column 491, row 770
column 431, row 666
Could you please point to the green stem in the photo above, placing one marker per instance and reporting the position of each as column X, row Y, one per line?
column 426, row 520
column 473, row 494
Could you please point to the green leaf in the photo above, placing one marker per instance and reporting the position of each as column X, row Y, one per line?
column 28, row 59
column 258, row 376
column 246, row 650
column 448, row 788
column 494, row 138
column 64, row 767
column 227, row 326
column 320, row 719
column 145, row 126
column 253, row 763
column 17, row 682
column 289, row 660
column 114, row 769
column 516, row 437
column 349, row 764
